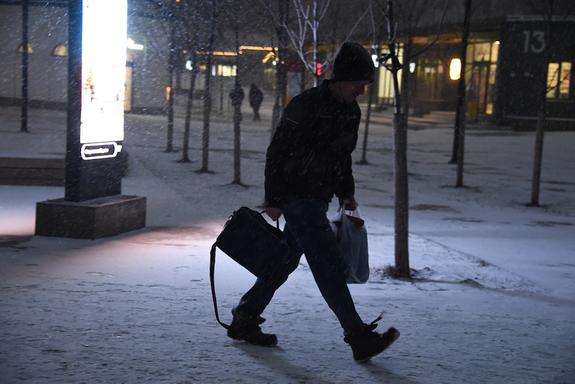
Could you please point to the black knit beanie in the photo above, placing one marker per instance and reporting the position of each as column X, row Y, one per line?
column 353, row 63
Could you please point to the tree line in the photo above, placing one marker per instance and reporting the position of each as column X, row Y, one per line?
column 388, row 27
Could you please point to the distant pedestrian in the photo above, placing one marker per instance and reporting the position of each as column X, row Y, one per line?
column 256, row 97
column 237, row 95
column 308, row 162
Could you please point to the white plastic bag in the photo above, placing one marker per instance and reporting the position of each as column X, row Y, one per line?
column 349, row 229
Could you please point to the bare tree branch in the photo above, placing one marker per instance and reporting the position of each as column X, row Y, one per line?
column 356, row 24
column 436, row 38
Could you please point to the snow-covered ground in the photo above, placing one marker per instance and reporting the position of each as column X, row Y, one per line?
column 492, row 302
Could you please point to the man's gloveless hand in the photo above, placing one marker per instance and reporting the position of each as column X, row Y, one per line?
column 274, row 213
column 350, row 204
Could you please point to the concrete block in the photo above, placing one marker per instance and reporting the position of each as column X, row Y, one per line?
column 90, row 219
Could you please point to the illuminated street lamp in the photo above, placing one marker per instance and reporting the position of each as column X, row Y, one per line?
column 93, row 205
column 455, row 69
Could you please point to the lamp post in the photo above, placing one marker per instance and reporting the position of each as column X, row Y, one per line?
column 93, row 205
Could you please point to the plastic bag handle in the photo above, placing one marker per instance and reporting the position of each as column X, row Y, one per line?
column 352, row 215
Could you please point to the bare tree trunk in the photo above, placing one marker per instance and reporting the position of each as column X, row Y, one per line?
column 405, row 81
column 189, row 105
column 171, row 59
column 401, row 183
column 455, row 144
column 281, row 70
column 548, row 12
column 335, row 31
column 237, row 145
column 538, row 154
column 25, row 44
column 280, row 96
column 366, row 129
column 460, row 114
column 207, row 113
column 315, row 21
column 402, row 268
column 208, row 97
column 375, row 45
column 237, row 119
column 221, row 83
column 459, row 127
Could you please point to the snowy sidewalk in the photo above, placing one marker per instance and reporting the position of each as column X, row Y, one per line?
column 137, row 308
column 492, row 303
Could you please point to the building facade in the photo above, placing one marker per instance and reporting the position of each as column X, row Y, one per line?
column 148, row 47
column 514, row 57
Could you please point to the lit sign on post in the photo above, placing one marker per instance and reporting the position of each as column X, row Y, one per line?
column 104, row 35
column 93, row 205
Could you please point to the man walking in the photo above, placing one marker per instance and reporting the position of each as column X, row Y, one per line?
column 256, row 97
column 307, row 163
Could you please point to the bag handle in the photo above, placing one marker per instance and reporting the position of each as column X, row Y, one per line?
column 277, row 221
column 212, row 282
column 352, row 215
column 213, row 286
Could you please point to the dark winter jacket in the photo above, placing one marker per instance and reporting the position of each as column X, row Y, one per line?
column 310, row 153
column 255, row 96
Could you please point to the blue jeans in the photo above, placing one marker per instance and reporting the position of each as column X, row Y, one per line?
column 308, row 231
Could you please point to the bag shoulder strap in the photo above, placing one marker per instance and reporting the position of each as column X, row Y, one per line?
column 212, row 279
column 212, row 283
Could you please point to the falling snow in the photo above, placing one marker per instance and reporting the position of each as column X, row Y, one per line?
column 491, row 300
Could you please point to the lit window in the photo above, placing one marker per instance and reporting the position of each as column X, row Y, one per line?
column 558, row 80
column 470, row 53
column 60, row 50
column 552, row 77
column 494, row 51
column 564, row 80
column 21, row 48
column 482, row 51
column 224, row 70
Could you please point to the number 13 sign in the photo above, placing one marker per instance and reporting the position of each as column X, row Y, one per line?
column 534, row 42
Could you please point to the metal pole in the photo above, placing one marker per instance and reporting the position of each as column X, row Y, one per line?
column 73, row 157
column 461, row 107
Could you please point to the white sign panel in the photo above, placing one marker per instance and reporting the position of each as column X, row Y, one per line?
column 104, row 34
